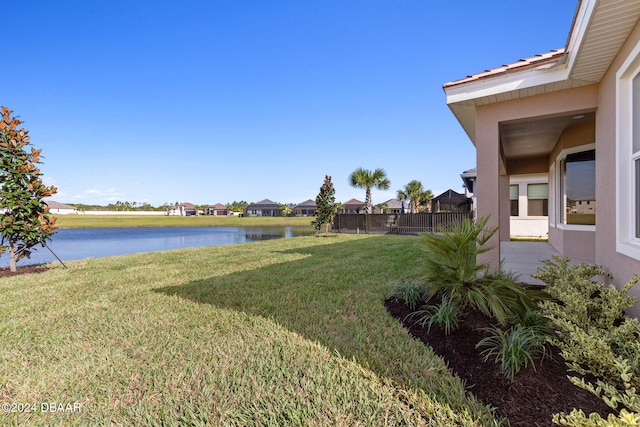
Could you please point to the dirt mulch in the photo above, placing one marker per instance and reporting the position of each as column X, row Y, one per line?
column 530, row 399
column 5, row 272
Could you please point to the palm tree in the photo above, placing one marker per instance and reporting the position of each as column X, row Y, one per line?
column 425, row 198
column 412, row 191
column 363, row 178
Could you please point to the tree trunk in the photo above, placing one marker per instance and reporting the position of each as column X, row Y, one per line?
column 368, row 201
column 12, row 259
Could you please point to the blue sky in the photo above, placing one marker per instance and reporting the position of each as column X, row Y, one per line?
column 211, row 101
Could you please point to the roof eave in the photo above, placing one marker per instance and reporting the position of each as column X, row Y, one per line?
column 463, row 98
column 573, row 69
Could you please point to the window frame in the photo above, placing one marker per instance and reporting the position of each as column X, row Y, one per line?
column 560, row 217
column 529, row 199
column 516, row 200
column 627, row 162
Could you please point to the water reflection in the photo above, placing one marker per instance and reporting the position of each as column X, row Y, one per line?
column 74, row 244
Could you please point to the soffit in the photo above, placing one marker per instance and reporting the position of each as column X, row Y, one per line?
column 611, row 23
column 537, row 137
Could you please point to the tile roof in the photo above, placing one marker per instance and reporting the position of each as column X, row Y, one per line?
column 535, row 61
column 218, row 206
column 394, row 203
column 470, row 172
column 354, row 202
column 264, row 204
column 307, row 203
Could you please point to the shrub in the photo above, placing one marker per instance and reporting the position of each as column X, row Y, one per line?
column 595, row 338
column 408, row 292
column 536, row 321
column 446, row 315
column 514, row 349
column 451, row 271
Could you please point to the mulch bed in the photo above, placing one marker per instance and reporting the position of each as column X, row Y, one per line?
column 5, row 272
column 530, row 399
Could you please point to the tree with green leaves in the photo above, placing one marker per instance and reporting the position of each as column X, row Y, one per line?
column 425, row 198
column 240, row 206
column 24, row 216
column 415, row 192
column 412, row 192
column 285, row 209
column 325, row 206
column 363, row 178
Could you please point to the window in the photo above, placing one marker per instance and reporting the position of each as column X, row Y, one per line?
column 538, row 200
column 579, row 188
column 628, row 155
column 635, row 148
column 513, row 197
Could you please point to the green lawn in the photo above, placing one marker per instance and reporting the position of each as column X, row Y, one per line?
column 280, row 332
column 582, row 219
column 89, row 221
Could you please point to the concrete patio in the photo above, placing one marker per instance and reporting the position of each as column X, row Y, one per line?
column 523, row 258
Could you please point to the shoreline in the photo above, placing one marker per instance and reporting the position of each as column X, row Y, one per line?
column 117, row 221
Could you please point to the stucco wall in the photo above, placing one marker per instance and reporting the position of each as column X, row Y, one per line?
column 575, row 244
column 574, row 137
column 622, row 266
column 493, row 183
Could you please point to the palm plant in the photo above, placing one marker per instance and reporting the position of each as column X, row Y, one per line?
column 363, row 178
column 425, row 197
column 412, row 191
column 451, row 270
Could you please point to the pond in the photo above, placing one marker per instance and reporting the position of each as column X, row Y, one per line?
column 80, row 243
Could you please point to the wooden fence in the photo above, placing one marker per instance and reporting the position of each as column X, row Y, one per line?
column 396, row 223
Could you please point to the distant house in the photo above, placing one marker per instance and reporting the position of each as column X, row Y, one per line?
column 217, row 210
column 306, row 208
column 183, row 209
column 469, row 182
column 263, row 208
column 353, row 206
column 60, row 208
column 585, row 206
column 450, row 201
column 392, row 206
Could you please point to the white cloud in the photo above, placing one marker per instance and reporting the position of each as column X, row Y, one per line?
column 92, row 196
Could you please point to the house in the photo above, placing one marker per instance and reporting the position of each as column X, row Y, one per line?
column 183, row 209
column 263, row 208
column 469, row 184
column 217, row 210
column 528, row 202
column 353, row 206
column 585, row 206
column 393, row 206
column 572, row 114
column 60, row 208
column 450, row 201
column 306, row 208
